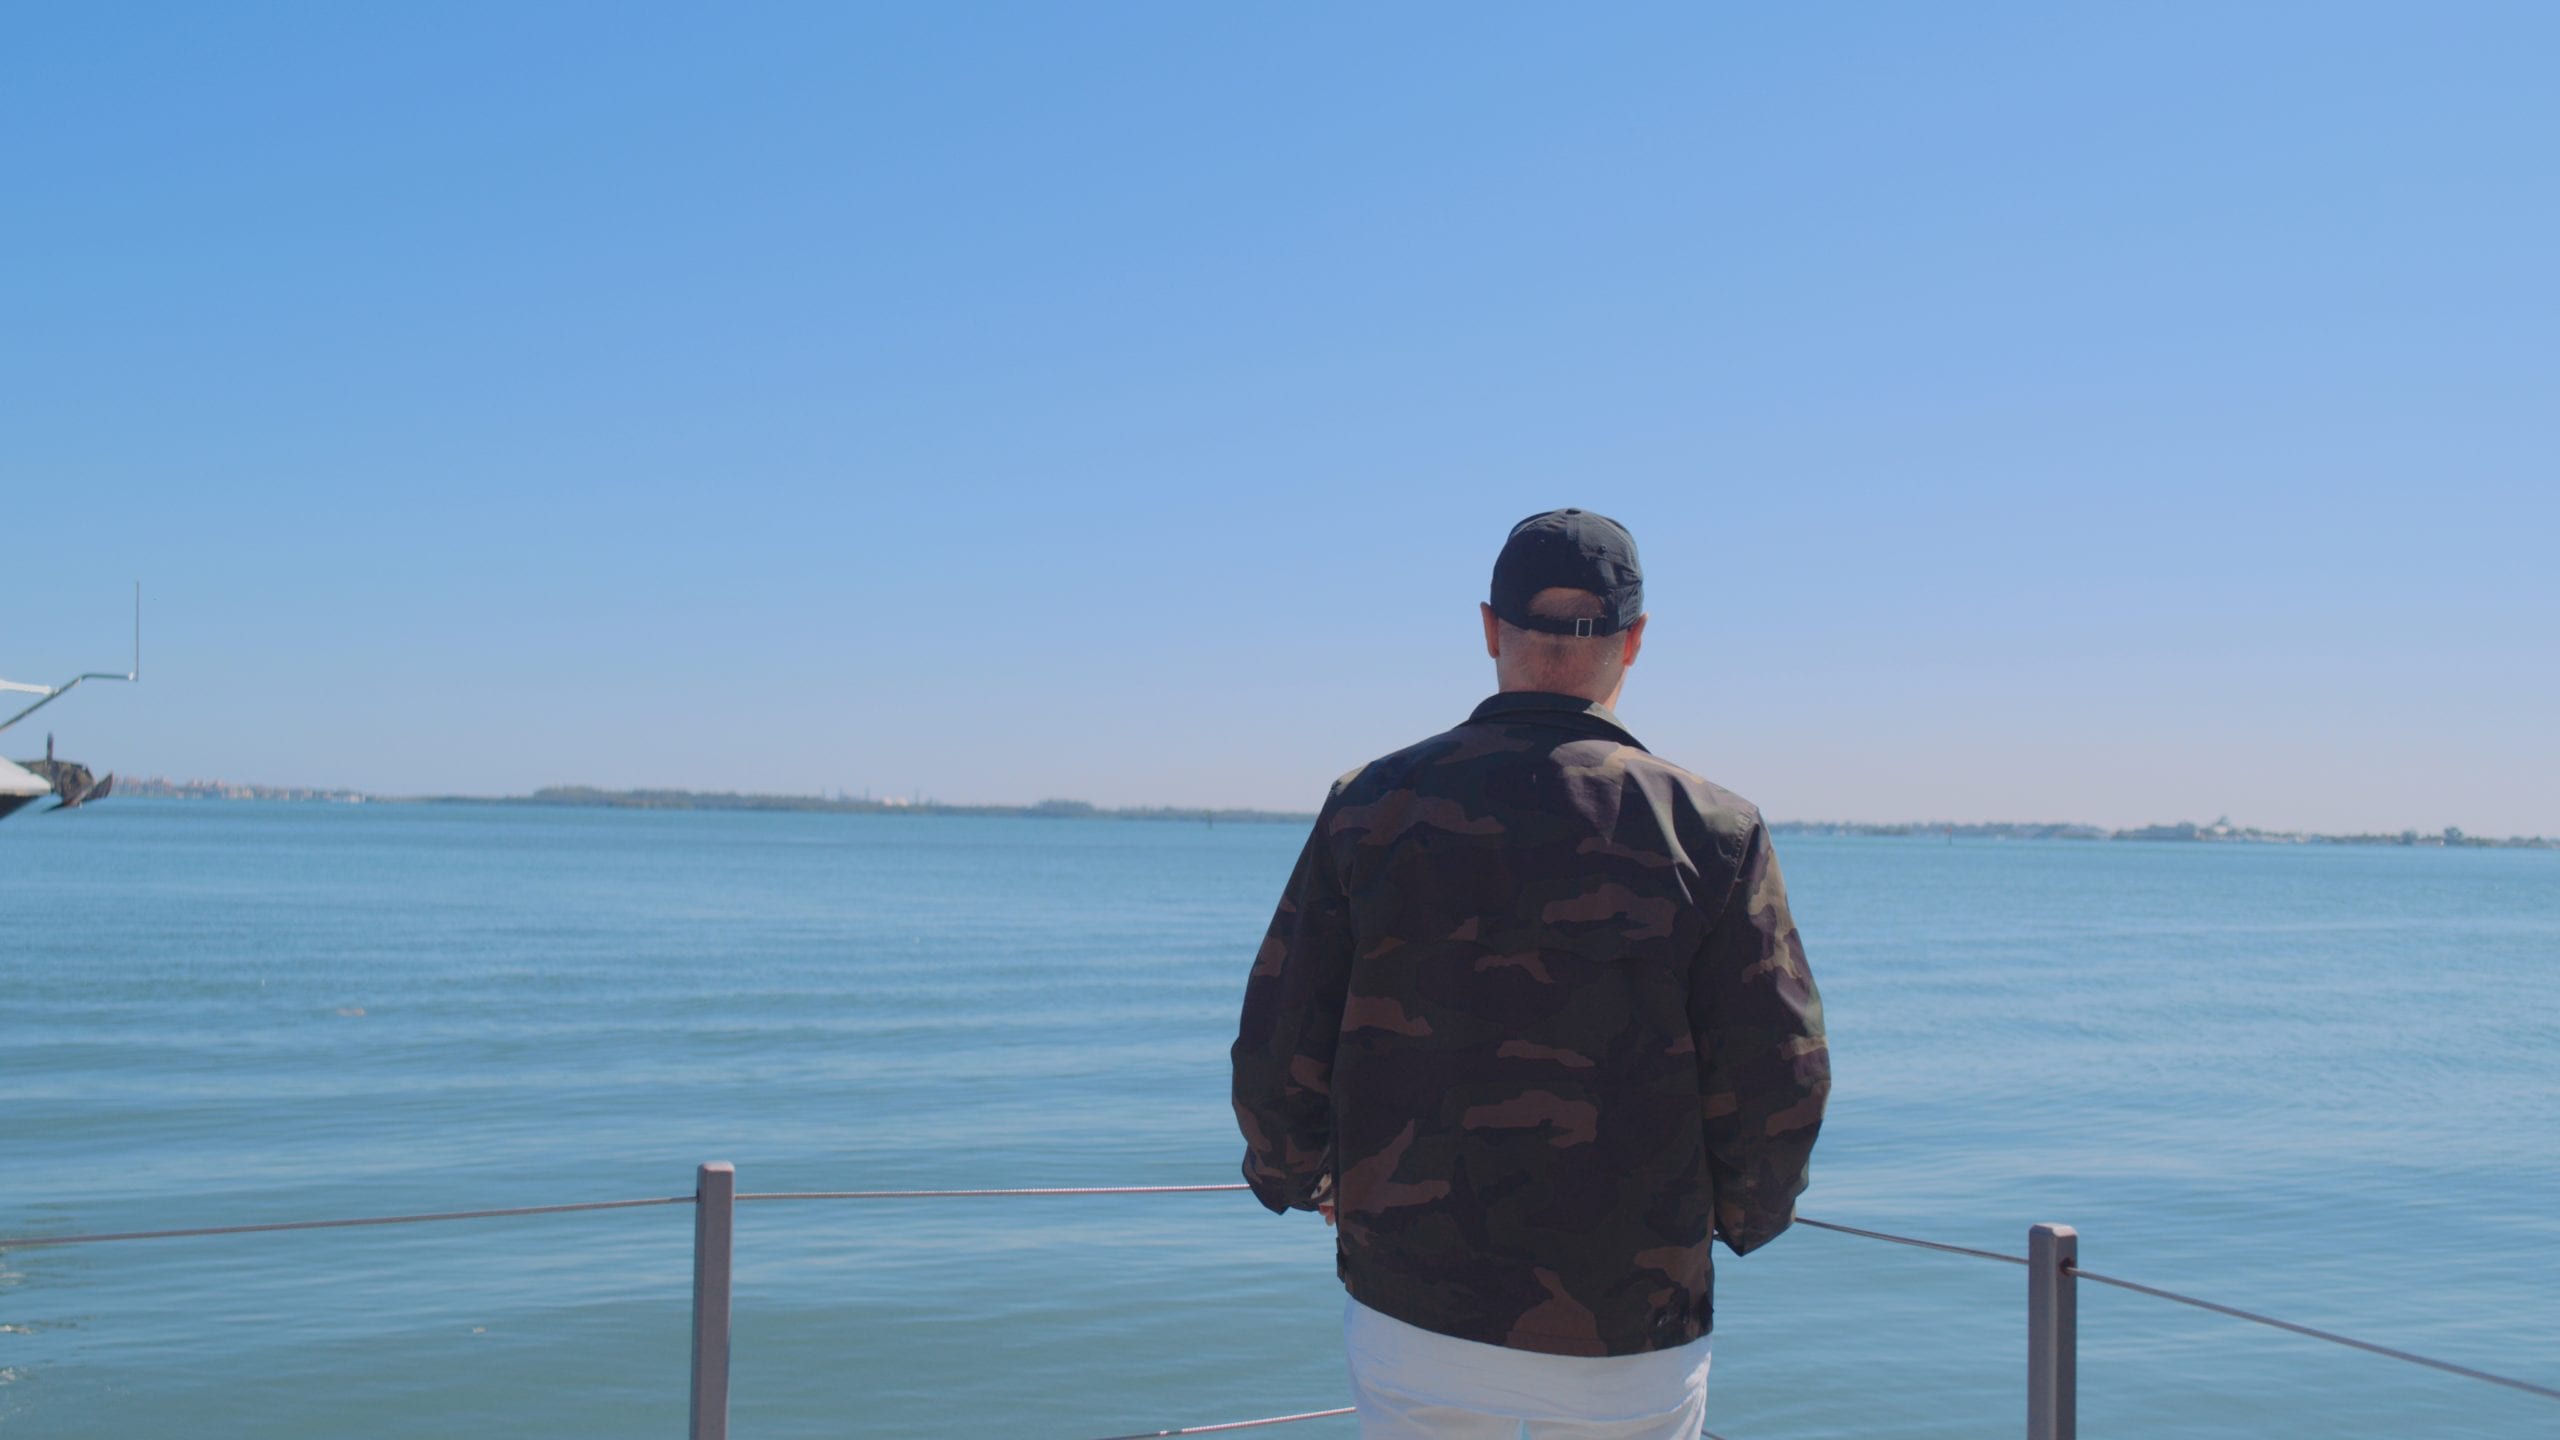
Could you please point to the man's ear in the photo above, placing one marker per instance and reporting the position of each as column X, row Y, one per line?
column 1492, row 631
column 1635, row 640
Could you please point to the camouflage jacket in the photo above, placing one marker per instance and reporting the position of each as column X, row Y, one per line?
column 1534, row 1016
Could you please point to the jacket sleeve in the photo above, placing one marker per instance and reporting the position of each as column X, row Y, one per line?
column 1763, row 1062
column 1285, row 1040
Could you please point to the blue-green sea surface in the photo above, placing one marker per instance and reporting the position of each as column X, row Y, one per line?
column 2321, row 1082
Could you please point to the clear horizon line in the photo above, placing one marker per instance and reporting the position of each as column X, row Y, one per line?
column 2216, row 829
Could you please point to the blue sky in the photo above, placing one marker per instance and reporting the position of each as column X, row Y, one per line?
column 2109, row 413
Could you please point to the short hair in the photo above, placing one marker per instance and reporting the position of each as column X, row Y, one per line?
column 1539, row 661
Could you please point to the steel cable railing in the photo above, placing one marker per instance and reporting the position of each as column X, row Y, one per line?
column 2334, row 1338
column 1912, row 1241
column 1053, row 1190
column 1231, row 1424
column 31, row 1241
column 2062, row 1318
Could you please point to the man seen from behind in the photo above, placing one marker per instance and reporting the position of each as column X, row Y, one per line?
column 1532, row 1024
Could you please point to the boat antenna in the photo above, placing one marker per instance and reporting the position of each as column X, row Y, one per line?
column 47, row 694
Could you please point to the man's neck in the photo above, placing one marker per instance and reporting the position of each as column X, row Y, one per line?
column 1607, row 701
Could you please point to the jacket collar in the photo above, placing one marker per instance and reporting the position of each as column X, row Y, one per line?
column 1565, row 712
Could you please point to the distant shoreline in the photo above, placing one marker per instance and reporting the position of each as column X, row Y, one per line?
column 593, row 798
column 587, row 797
column 2219, row 833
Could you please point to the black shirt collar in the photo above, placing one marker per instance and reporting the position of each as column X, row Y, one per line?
column 1543, row 707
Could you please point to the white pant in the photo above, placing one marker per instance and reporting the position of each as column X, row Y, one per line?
column 1416, row 1384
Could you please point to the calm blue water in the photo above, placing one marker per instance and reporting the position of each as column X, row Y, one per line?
column 2321, row 1082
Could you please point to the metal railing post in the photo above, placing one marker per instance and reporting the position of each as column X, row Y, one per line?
column 2053, row 1333
column 715, row 1198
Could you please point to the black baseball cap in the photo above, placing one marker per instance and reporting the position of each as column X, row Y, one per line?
column 1575, row 549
